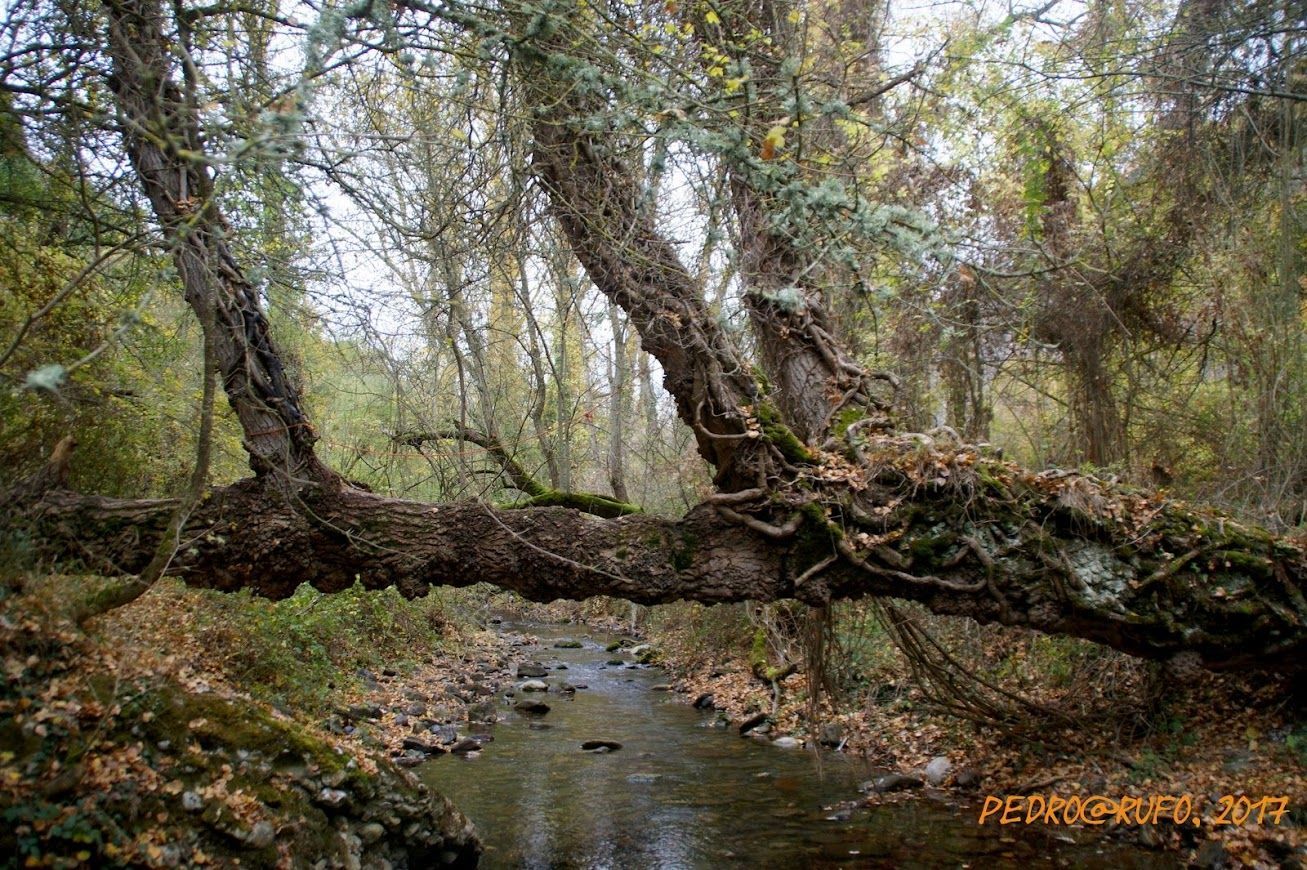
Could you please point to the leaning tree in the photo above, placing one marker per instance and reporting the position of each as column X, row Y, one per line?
column 817, row 495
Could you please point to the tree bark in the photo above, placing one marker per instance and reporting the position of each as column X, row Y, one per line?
column 160, row 131
column 965, row 535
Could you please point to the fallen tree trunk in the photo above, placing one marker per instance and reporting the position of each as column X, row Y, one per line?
column 963, row 534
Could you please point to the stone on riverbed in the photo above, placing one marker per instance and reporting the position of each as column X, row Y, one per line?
column 417, row 744
column 832, row 735
column 534, row 686
column 891, row 782
column 532, row 670
column 601, row 746
column 753, row 722
column 567, row 644
column 787, row 743
column 938, row 769
column 533, row 708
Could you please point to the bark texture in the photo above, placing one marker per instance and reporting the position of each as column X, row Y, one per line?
column 158, row 118
column 963, row 534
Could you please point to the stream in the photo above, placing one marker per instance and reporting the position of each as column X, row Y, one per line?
column 682, row 793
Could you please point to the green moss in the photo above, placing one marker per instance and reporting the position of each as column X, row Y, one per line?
column 683, row 555
column 931, row 547
column 599, row 505
column 780, row 435
column 758, row 652
column 844, row 419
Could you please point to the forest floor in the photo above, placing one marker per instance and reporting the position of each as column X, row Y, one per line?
column 147, row 740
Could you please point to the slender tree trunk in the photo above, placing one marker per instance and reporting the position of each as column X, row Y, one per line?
column 618, row 405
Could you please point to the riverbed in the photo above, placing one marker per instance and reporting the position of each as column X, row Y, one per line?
column 681, row 791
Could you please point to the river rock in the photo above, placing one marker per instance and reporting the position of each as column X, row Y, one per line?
column 704, row 701
column 261, row 836
column 445, row 734
column 892, row 782
column 482, row 711
column 532, row 708
column 417, row 744
column 614, row 646
column 938, row 769
column 534, row 686
column 601, row 746
column 1211, row 855
column 464, row 746
column 364, row 711
column 369, row 679
column 532, row 670
column 787, row 743
column 752, row 723
column 567, row 644
column 331, row 797
column 832, row 735
column 661, row 687
column 616, row 662
column 968, row 778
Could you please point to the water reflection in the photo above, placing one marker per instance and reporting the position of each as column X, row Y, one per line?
column 680, row 794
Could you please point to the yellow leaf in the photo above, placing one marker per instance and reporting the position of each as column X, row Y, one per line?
column 716, row 72
column 793, row 16
column 712, row 18
column 772, row 142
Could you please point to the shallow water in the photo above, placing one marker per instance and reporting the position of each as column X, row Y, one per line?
column 680, row 793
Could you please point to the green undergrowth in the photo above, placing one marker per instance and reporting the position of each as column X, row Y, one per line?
column 301, row 651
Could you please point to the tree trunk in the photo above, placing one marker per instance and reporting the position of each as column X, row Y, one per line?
column 964, row 535
column 618, row 406
column 160, row 130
